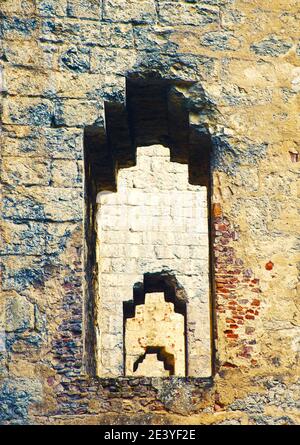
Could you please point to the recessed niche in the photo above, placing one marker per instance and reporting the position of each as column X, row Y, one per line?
column 148, row 309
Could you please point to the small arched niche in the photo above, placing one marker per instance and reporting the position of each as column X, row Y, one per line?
column 155, row 337
column 156, row 361
column 147, row 222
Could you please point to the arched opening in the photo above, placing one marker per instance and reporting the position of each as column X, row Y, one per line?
column 155, row 320
column 155, row 112
column 149, row 360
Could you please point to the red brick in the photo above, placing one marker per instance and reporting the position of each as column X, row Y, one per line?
column 250, row 317
column 232, row 336
column 217, row 211
column 255, row 302
column 269, row 265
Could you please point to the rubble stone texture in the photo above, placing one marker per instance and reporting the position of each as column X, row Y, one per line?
column 156, row 221
column 232, row 78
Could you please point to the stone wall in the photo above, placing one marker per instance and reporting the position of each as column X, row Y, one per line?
column 236, row 64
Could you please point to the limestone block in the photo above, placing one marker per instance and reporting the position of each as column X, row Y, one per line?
column 21, row 368
column 109, row 340
column 20, row 272
column 111, row 61
column 71, row 30
column 53, row 203
column 76, row 59
column 116, row 294
column 22, row 81
column 89, row 9
column 41, row 142
column 15, row 27
column 115, row 326
column 19, row 314
column 152, row 38
column 163, row 252
column 58, row 235
column 52, row 8
column 119, row 279
column 116, row 35
column 126, row 11
column 220, row 41
column 22, row 392
column 271, row 46
column 76, row 112
column 27, row 238
column 21, row 7
column 65, row 174
column 188, row 14
column 74, row 82
column 244, row 57
column 19, row 170
column 28, row 111
column 63, row 142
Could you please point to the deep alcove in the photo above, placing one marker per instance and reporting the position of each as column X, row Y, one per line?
column 156, row 112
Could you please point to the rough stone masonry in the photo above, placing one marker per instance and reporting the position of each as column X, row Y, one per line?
column 231, row 70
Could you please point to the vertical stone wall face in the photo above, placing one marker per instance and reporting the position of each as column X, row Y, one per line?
column 156, row 221
column 60, row 61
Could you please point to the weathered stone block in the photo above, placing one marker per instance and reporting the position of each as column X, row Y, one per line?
column 21, row 272
column 65, row 143
column 28, row 111
column 173, row 13
column 71, row 30
column 109, row 61
column 147, row 39
column 19, row 314
column 272, row 46
column 78, row 113
column 25, row 82
column 52, row 8
column 16, row 396
column 65, row 174
column 53, row 203
column 37, row 142
column 116, row 35
column 155, row 325
column 19, row 27
column 130, row 11
column 88, row 9
column 220, row 41
column 22, row 7
column 76, row 59
column 21, row 171
column 86, row 86
column 57, row 237
column 23, row 239
column 244, row 61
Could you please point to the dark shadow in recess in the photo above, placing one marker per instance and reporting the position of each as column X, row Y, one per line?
column 162, row 356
